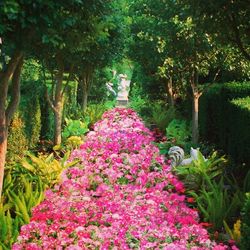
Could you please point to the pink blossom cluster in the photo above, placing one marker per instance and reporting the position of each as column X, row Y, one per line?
column 122, row 195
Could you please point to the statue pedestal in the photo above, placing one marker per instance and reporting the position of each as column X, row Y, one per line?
column 121, row 103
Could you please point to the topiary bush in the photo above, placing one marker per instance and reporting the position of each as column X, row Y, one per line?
column 226, row 122
column 238, row 141
column 17, row 140
column 34, row 126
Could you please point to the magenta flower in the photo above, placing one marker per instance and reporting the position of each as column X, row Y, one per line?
column 122, row 195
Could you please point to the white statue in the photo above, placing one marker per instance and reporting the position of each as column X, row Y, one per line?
column 194, row 153
column 109, row 86
column 176, row 154
column 123, row 88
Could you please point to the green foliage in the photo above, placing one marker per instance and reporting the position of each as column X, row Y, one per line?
column 31, row 71
column 245, row 232
column 216, row 203
column 24, row 185
column 22, row 191
column 17, row 140
column 31, row 98
column 225, row 122
column 244, row 103
column 35, row 124
column 162, row 115
column 246, row 182
column 24, row 200
column 138, row 101
column 9, row 229
column 94, row 112
column 178, row 132
column 195, row 175
column 75, row 128
column 233, row 30
column 218, row 199
column 73, row 142
column 157, row 113
column 46, row 167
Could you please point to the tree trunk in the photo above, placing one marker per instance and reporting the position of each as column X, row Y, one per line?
column 79, row 95
column 58, row 125
column 195, row 108
column 12, row 70
column 195, row 119
column 58, row 106
column 3, row 149
column 85, row 100
column 56, row 102
column 85, row 84
column 170, row 92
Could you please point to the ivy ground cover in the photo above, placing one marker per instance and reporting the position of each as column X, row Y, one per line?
column 122, row 195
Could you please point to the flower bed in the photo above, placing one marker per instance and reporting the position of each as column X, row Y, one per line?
column 122, row 195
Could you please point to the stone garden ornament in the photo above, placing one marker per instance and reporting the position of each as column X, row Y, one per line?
column 109, row 86
column 176, row 155
column 123, row 90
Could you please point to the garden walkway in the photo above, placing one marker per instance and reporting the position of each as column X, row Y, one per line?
column 122, row 195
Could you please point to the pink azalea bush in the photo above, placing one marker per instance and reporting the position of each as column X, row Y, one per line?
column 122, row 195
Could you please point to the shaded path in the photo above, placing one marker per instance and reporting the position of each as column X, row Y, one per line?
column 121, row 196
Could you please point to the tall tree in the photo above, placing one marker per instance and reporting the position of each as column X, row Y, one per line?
column 177, row 46
column 21, row 23
column 66, row 45
column 107, row 45
column 151, row 32
column 226, row 20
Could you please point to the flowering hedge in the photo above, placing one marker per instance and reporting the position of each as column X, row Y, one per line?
column 122, row 195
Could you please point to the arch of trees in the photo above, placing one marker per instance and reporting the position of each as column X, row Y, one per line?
column 181, row 45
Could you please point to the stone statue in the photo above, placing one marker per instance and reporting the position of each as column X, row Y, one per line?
column 176, row 154
column 109, row 86
column 123, row 90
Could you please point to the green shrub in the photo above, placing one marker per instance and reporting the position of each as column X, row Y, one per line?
column 73, row 142
column 245, row 232
column 34, row 125
column 17, row 140
column 195, row 174
column 162, row 115
column 23, row 188
column 238, row 143
column 9, row 229
column 21, row 192
column 94, row 112
column 75, row 128
column 139, row 102
column 46, row 167
column 47, row 117
column 226, row 122
column 216, row 203
column 178, row 132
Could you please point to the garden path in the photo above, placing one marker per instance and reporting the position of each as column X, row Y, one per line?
column 122, row 195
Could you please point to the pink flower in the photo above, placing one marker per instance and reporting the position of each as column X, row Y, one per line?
column 121, row 196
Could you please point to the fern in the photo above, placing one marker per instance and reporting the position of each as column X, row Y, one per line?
column 178, row 132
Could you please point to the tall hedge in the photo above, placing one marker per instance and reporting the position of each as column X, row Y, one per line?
column 239, row 129
column 226, row 122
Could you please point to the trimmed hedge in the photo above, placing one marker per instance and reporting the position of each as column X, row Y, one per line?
column 226, row 122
